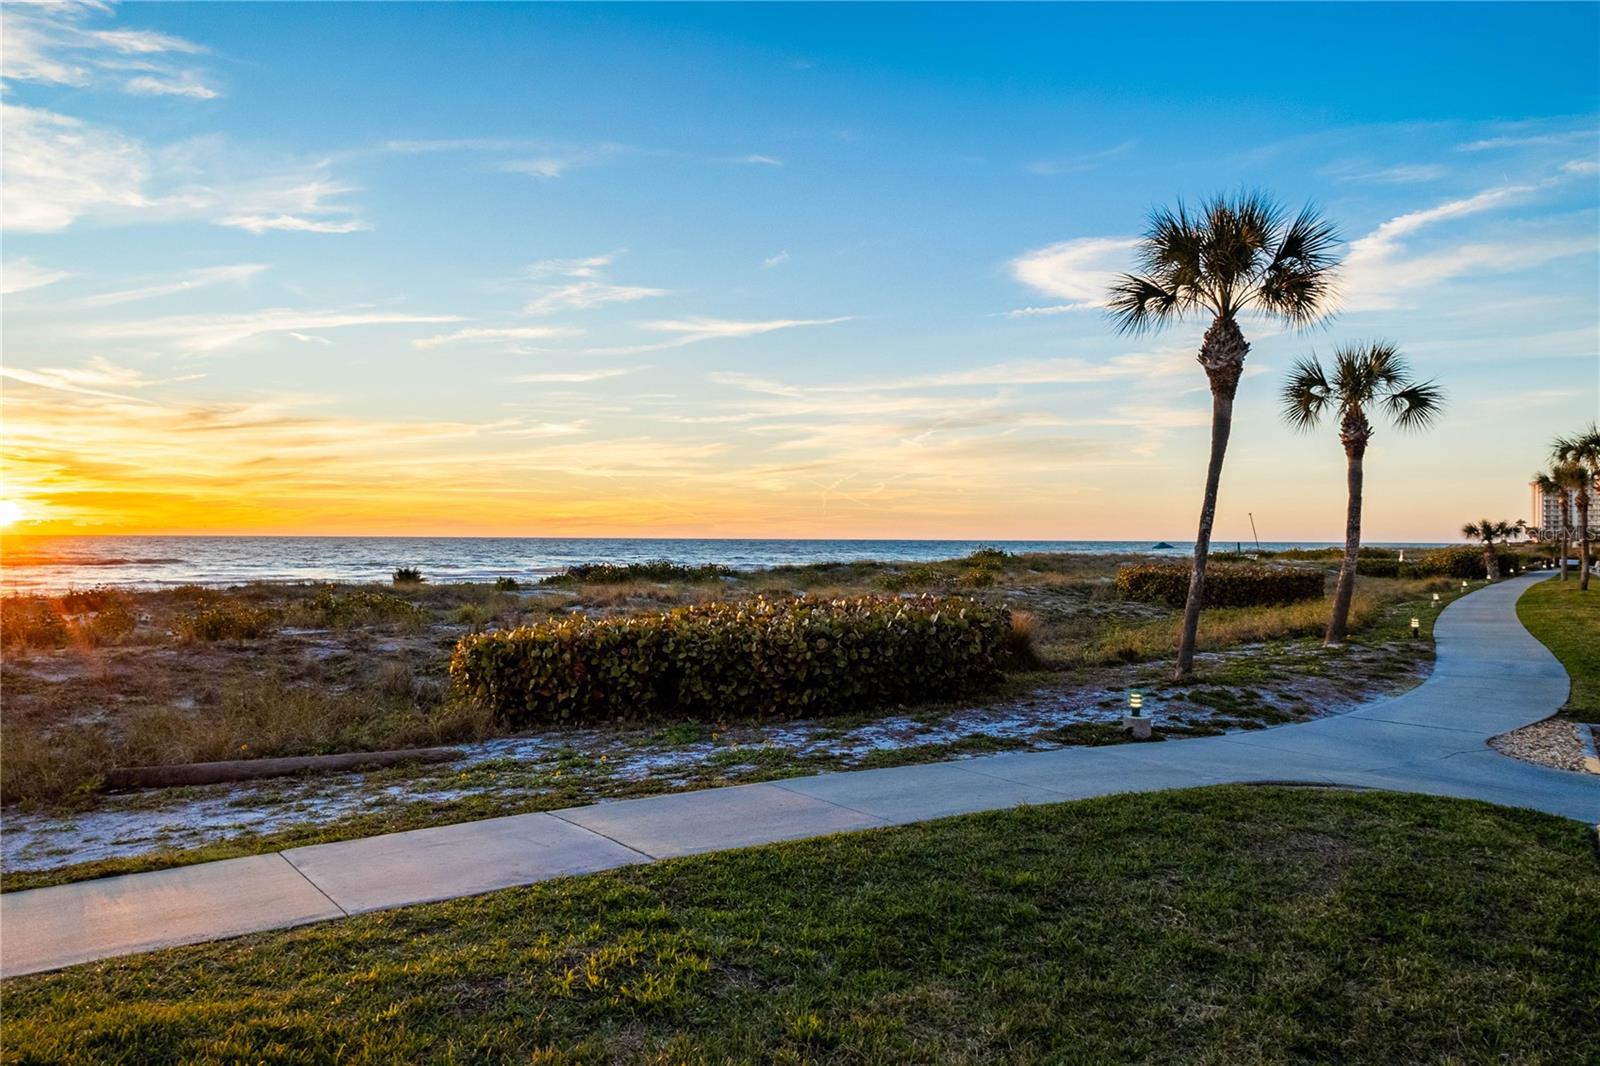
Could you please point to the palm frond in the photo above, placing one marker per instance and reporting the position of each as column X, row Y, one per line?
column 1582, row 448
column 1415, row 406
column 1306, row 394
column 1137, row 303
column 1298, row 282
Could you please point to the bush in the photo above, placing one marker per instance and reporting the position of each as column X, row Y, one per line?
column 1227, row 584
column 626, row 573
column 32, row 622
column 99, row 616
column 777, row 658
column 226, row 620
column 505, row 584
column 357, row 608
column 1463, row 561
column 407, row 575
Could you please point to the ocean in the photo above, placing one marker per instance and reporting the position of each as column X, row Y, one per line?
column 55, row 564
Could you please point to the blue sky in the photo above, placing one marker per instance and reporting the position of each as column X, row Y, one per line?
column 781, row 270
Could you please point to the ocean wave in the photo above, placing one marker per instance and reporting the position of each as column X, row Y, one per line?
column 87, row 560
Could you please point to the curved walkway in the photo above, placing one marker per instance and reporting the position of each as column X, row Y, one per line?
column 1490, row 676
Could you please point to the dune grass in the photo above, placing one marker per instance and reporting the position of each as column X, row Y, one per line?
column 1567, row 622
column 1224, row 925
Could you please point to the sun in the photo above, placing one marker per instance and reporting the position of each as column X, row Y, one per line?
column 10, row 513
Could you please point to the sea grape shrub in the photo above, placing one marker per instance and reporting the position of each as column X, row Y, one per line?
column 627, row 573
column 407, row 575
column 226, row 620
column 1463, row 561
column 506, row 584
column 764, row 658
column 333, row 609
column 1227, row 584
column 81, row 618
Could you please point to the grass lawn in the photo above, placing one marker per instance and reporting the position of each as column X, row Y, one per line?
column 1225, row 925
column 1568, row 623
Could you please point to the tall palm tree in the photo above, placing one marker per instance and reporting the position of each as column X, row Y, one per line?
column 1489, row 532
column 1235, row 254
column 1583, row 452
column 1551, row 488
column 1571, row 479
column 1363, row 375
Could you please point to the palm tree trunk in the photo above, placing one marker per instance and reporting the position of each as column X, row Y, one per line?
column 1222, row 353
column 1491, row 561
column 1346, row 587
column 1583, row 540
column 1566, row 531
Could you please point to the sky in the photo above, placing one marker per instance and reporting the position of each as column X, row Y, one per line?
column 784, row 270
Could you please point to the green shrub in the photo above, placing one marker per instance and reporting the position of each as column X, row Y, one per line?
column 1227, row 584
column 627, row 573
column 407, row 575
column 98, row 616
column 776, row 658
column 1463, row 561
column 226, row 620
column 358, row 607
column 505, row 584
column 111, row 624
column 1381, row 567
column 32, row 622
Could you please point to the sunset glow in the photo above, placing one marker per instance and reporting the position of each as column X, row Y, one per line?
column 858, row 297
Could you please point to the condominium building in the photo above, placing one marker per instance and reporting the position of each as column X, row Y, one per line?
column 1546, row 516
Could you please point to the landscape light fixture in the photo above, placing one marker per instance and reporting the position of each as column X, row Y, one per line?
column 1416, row 628
column 1436, row 599
column 1463, row 584
column 1134, row 722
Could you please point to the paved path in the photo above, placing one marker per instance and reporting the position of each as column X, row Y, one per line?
column 1491, row 676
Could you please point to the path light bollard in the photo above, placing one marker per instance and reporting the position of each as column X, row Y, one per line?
column 1436, row 599
column 1134, row 722
column 1416, row 628
column 1463, row 584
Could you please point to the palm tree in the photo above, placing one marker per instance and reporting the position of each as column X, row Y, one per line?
column 1583, row 453
column 1570, row 479
column 1235, row 254
column 1550, row 487
column 1364, row 375
column 1489, row 532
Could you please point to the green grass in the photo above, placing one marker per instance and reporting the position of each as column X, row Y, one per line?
column 1568, row 623
column 1227, row 925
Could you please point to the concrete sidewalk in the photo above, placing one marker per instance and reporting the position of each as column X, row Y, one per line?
column 1491, row 676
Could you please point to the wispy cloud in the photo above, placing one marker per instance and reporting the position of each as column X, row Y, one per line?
column 1078, row 271
column 1382, row 270
column 60, row 170
column 55, row 44
column 1078, row 164
column 695, row 330
column 19, row 275
column 1401, row 174
column 760, row 160
column 205, row 333
column 583, row 287
column 185, row 282
column 775, row 260
column 185, row 84
column 1530, row 140
column 488, row 335
column 550, row 165
column 575, row 377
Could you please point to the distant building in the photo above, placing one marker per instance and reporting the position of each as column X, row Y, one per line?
column 1547, row 512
